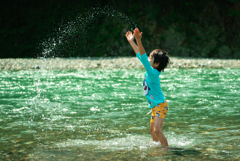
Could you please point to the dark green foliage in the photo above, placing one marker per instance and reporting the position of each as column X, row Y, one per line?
column 97, row 28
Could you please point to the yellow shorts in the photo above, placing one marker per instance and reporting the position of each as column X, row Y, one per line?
column 159, row 110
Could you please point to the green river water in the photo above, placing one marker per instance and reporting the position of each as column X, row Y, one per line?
column 102, row 115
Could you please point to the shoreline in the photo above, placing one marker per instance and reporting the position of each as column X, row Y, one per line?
column 109, row 63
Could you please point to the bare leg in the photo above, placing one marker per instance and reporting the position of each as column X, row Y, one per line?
column 154, row 137
column 158, row 123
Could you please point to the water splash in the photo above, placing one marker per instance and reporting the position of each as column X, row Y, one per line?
column 129, row 142
column 76, row 35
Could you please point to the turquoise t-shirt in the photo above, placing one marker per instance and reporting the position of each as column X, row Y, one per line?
column 151, row 82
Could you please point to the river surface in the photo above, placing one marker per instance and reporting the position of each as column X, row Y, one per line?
column 102, row 115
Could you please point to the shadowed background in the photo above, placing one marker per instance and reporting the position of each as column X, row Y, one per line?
column 97, row 28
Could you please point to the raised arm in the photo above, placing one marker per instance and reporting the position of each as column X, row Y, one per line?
column 130, row 38
column 138, row 37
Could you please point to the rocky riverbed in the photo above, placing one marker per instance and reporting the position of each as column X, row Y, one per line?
column 110, row 63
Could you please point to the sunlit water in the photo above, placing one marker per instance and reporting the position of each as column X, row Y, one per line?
column 101, row 115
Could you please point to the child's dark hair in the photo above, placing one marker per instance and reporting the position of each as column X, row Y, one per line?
column 161, row 57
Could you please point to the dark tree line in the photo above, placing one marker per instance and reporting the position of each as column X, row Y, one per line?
column 207, row 28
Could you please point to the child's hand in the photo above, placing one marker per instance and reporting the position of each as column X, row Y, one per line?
column 137, row 34
column 129, row 36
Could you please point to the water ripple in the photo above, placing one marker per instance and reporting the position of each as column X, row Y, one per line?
column 82, row 106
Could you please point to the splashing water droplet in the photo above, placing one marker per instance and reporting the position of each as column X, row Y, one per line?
column 77, row 32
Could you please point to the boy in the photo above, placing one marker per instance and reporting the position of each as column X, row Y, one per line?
column 154, row 64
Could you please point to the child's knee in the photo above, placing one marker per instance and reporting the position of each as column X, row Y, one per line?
column 152, row 131
column 157, row 130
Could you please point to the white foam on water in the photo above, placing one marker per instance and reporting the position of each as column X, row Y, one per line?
column 181, row 141
column 130, row 142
